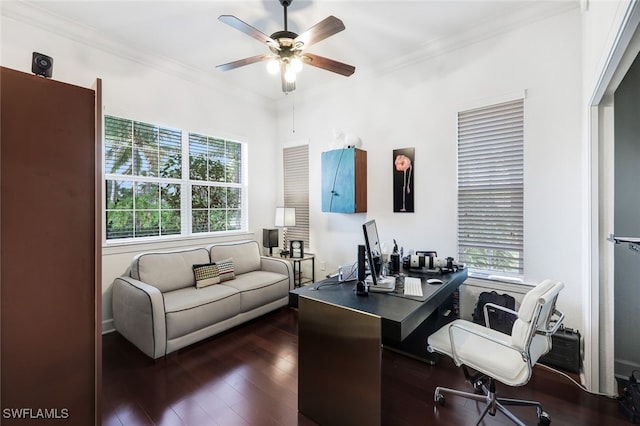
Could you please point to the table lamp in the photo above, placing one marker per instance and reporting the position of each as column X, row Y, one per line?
column 270, row 239
column 285, row 216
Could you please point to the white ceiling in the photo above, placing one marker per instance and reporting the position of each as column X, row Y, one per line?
column 379, row 34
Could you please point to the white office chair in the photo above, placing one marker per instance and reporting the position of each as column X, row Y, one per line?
column 508, row 359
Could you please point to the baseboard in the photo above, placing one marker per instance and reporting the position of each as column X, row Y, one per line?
column 623, row 368
column 107, row 326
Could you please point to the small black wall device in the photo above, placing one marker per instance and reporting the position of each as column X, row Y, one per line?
column 42, row 65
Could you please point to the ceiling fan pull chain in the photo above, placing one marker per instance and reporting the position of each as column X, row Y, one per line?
column 293, row 113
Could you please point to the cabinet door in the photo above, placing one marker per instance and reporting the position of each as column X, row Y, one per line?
column 338, row 181
column 48, row 248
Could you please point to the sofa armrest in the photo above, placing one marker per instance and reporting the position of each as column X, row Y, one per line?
column 138, row 314
column 279, row 266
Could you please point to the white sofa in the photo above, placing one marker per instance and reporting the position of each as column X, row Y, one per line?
column 158, row 308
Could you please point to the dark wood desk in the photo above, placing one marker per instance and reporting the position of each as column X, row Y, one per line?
column 340, row 341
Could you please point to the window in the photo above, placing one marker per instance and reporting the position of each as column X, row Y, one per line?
column 490, row 189
column 150, row 192
column 296, row 190
column 215, row 170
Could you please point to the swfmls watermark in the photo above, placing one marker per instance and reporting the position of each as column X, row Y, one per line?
column 35, row 413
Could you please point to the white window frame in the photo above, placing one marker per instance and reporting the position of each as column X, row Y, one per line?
column 185, row 191
column 491, row 180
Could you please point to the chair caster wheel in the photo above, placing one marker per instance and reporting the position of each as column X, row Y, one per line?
column 477, row 387
column 440, row 400
column 544, row 419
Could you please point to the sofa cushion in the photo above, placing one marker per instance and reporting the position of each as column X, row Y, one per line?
column 259, row 288
column 206, row 274
column 225, row 269
column 168, row 271
column 245, row 255
column 190, row 309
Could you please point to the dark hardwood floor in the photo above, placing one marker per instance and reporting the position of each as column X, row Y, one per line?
column 248, row 376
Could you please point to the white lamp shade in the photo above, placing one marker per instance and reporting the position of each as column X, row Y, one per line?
column 285, row 216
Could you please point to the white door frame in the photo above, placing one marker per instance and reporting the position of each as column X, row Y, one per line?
column 599, row 362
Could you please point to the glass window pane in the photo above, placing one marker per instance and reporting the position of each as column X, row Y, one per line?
column 147, row 223
column 217, row 160
column 170, row 140
column 170, row 196
column 170, row 165
column 119, row 194
column 147, row 196
column 197, row 157
column 170, row 222
column 234, row 219
column 145, row 135
column 218, row 197
column 145, row 162
column 117, row 159
column 199, row 221
column 233, row 198
column 217, row 220
column 234, row 162
column 199, row 197
column 119, row 224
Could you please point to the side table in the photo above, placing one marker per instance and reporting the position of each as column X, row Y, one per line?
column 298, row 278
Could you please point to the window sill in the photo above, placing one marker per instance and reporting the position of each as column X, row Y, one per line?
column 136, row 246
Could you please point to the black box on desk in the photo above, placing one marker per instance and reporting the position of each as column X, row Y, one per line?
column 565, row 352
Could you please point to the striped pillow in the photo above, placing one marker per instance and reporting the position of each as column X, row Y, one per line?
column 206, row 274
column 225, row 267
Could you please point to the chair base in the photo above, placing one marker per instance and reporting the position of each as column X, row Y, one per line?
column 494, row 404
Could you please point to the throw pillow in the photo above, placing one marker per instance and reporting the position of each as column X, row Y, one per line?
column 206, row 274
column 226, row 269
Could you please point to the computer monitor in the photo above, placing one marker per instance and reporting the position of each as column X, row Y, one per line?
column 372, row 249
column 374, row 257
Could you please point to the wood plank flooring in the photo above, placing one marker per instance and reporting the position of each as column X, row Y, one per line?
column 248, row 376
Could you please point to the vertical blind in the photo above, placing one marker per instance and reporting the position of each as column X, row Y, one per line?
column 490, row 188
column 296, row 190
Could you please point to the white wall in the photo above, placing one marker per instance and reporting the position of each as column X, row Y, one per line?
column 416, row 106
column 150, row 90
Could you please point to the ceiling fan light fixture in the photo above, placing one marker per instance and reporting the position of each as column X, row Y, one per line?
column 288, row 49
column 273, row 66
column 289, row 74
column 296, row 64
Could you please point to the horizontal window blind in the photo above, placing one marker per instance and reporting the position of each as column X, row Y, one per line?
column 296, row 190
column 490, row 188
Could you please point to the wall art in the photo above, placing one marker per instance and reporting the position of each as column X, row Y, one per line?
column 403, row 180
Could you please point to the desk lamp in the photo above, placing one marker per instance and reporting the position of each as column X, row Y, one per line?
column 285, row 216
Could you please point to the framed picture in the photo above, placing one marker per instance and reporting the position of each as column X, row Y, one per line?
column 403, row 180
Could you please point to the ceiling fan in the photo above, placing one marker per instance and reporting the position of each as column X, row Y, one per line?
column 288, row 49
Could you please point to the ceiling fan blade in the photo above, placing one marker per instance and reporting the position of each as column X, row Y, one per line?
column 243, row 62
column 240, row 25
column 323, row 29
column 328, row 64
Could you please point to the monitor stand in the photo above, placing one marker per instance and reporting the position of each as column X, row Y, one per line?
column 385, row 284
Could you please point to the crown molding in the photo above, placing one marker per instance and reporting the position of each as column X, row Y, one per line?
column 31, row 14
column 481, row 32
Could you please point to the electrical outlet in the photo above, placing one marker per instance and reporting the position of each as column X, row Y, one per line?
column 323, row 266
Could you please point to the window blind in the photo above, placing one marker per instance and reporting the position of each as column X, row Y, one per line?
column 490, row 188
column 296, row 190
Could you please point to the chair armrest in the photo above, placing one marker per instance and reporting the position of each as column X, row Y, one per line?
column 500, row 307
column 461, row 329
column 557, row 318
column 279, row 266
column 138, row 314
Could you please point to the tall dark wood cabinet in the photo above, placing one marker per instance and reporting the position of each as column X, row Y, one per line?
column 50, row 252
